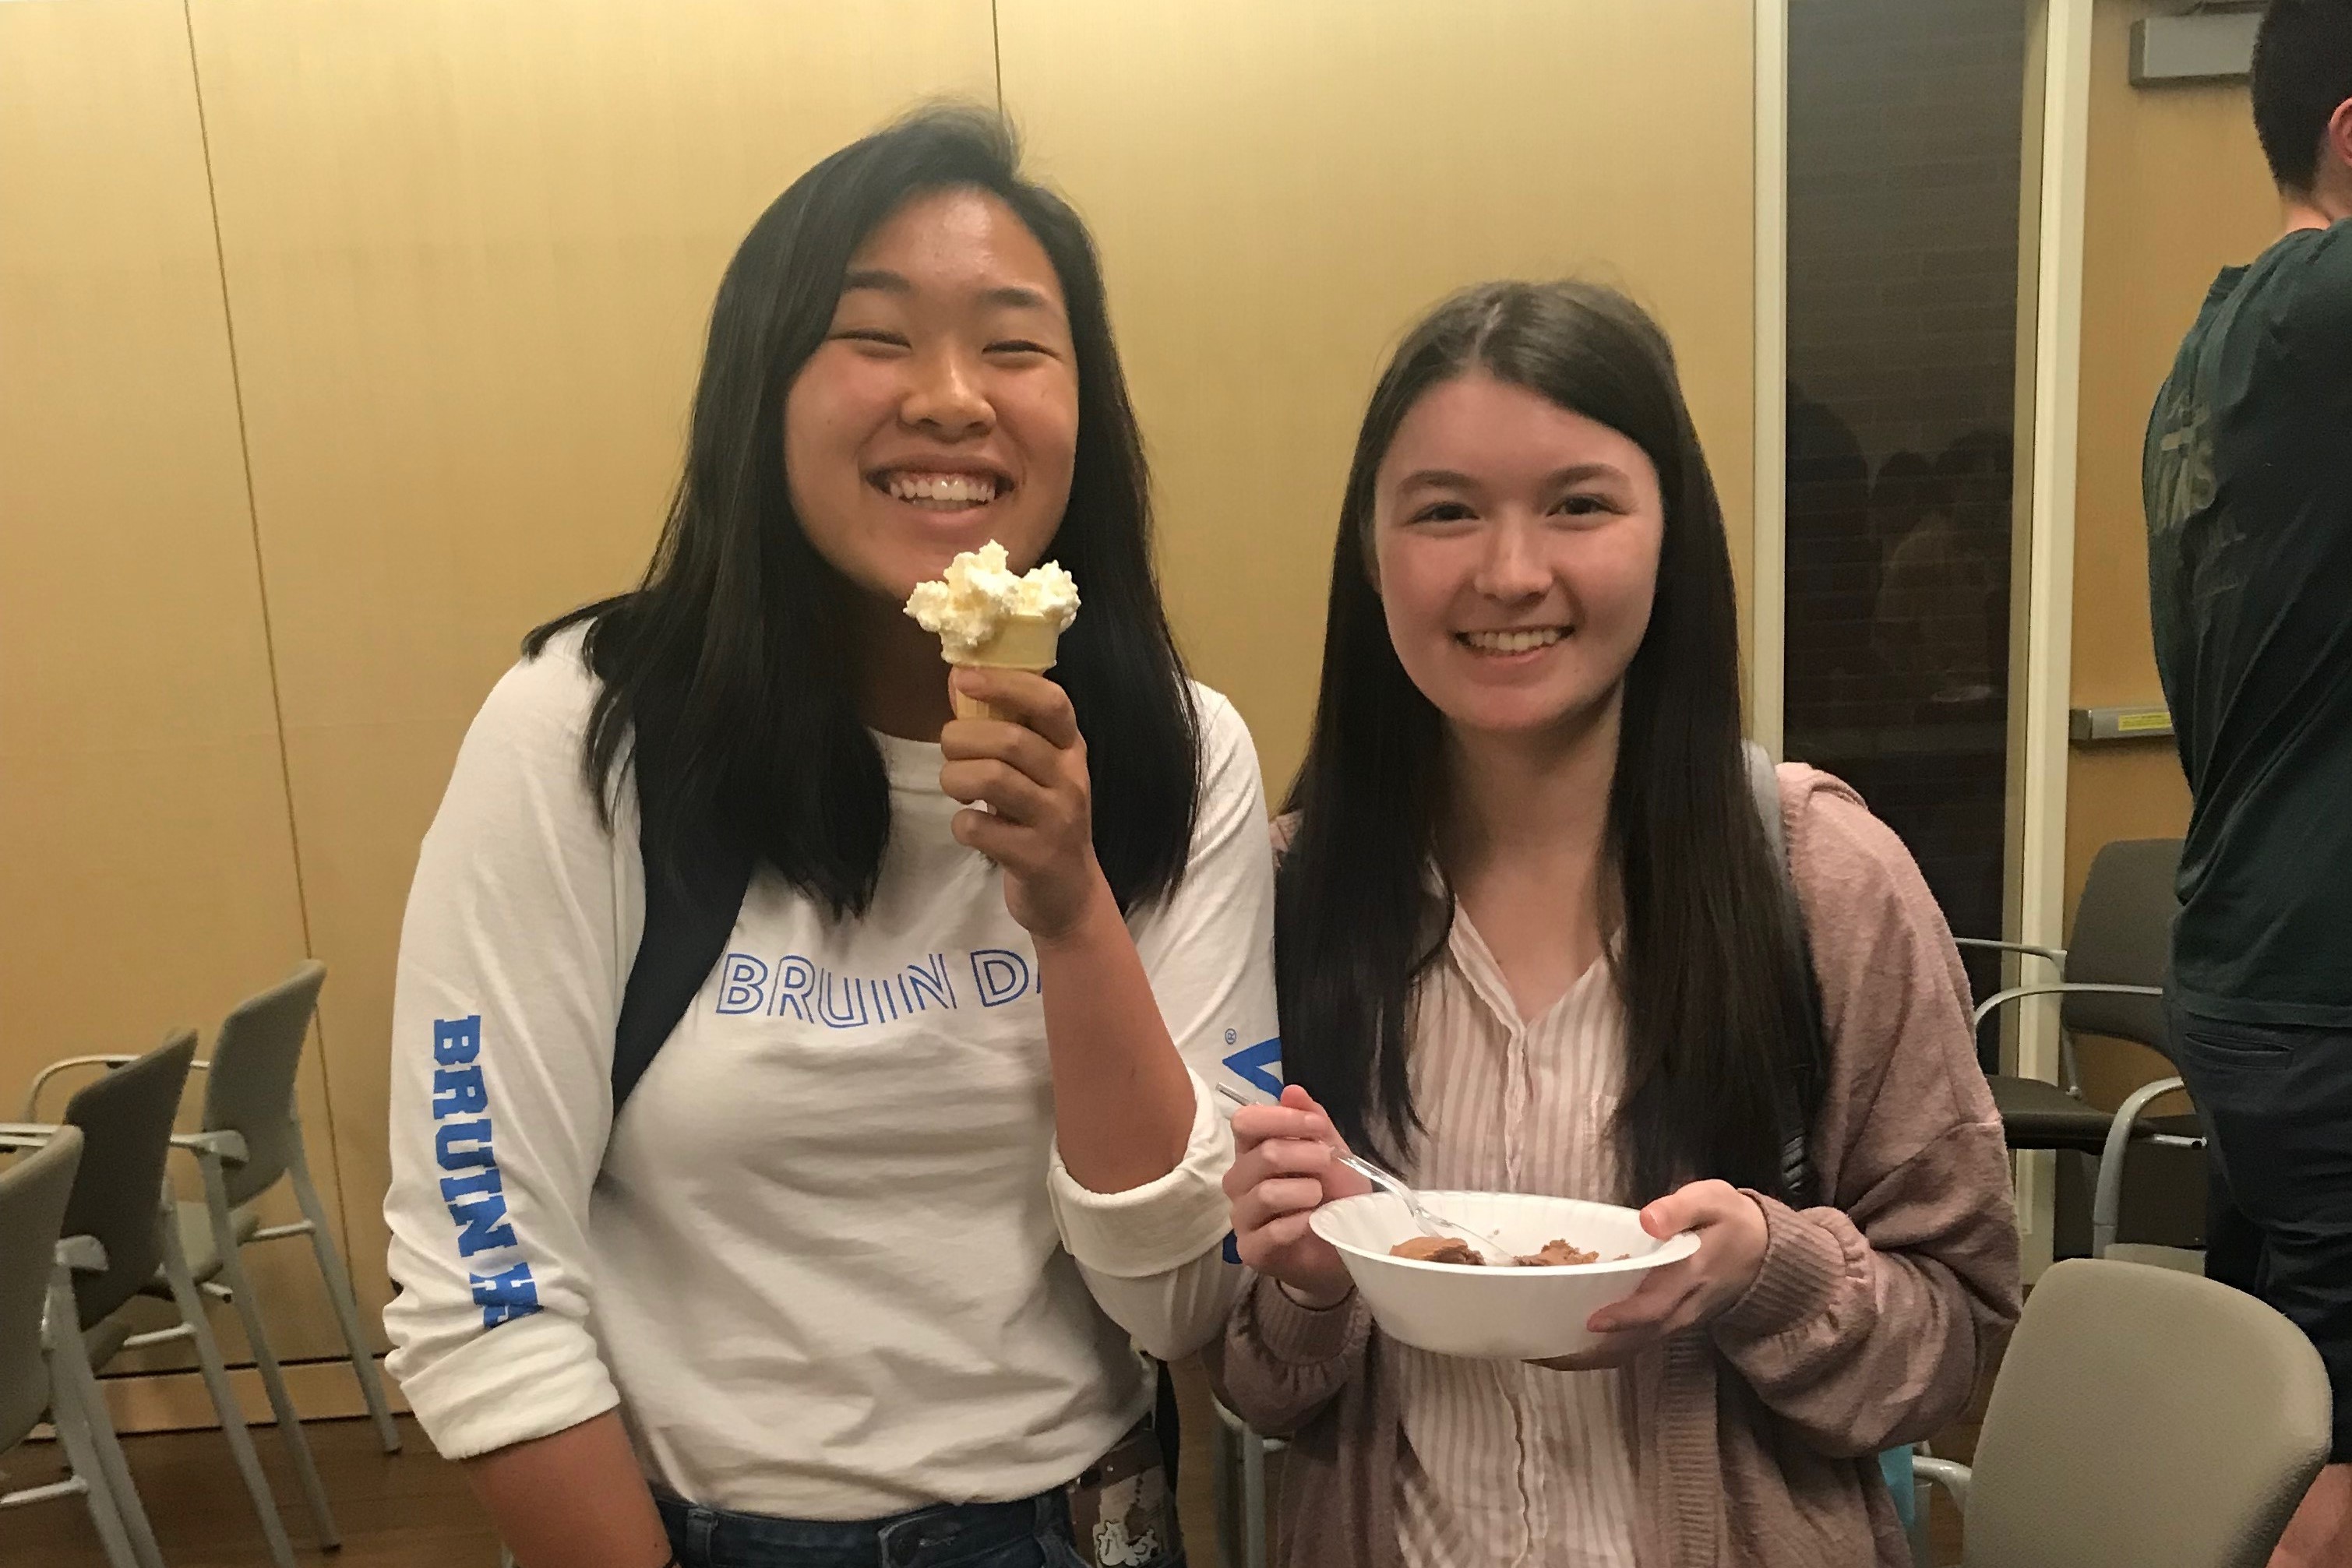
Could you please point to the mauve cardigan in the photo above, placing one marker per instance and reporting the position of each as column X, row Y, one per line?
column 1756, row 1438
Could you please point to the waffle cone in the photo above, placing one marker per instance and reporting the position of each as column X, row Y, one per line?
column 1022, row 643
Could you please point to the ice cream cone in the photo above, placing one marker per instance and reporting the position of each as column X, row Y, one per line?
column 987, row 618
column 1021, row 642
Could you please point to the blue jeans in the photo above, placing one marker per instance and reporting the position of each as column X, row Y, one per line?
column 1031, row 1534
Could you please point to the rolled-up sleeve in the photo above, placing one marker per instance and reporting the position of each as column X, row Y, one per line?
column 1153, row 1256
column 1280, row 1364
column 511, row 952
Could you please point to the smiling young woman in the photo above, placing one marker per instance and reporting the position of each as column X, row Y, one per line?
column 1532, row 937
column 853, row 1269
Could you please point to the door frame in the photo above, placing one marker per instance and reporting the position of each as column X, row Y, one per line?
column 2042, row 693
column 1767, row 616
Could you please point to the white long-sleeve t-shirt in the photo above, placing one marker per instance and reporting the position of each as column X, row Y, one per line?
column 826, row 1263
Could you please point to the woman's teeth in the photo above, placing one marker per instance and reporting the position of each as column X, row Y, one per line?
column 941, row 492
column 1512, row 642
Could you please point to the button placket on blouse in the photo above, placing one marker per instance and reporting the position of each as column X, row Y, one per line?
column 1515, row 1106
column 1517, row 1101
column 1540, row 1496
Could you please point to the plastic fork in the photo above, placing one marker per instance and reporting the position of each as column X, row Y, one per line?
column 1431, row 1222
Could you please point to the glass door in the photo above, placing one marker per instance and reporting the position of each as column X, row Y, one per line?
column 1905, row 160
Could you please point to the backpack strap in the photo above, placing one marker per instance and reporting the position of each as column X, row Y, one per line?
column 1764, row 784
column 690, row 910
column 1799, row 1184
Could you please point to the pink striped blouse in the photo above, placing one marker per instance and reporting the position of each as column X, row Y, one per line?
column 1503, row 1462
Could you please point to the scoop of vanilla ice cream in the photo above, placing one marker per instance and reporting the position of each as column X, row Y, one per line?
column 980, row 592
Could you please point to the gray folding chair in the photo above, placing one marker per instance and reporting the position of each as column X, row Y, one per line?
column 2109, row 982
column 44, row 1368
column 251, row 1138
column 2142, row 1416
column 119, row 1198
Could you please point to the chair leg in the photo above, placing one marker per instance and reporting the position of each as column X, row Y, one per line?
column 191, row 1303
column 2107, row 1198
column 81, row 1454
column 78, row 1387
column 281, row 1404
column 1922, row 1552
column 347, row 1307
column 86, row 1430
column 1253, row 1499
column 1228, row 1488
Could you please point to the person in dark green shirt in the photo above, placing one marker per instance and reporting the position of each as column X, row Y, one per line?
column 2247, row 481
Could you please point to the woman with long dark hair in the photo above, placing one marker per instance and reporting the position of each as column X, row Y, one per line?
column 799, row 1106
column 1532, row 935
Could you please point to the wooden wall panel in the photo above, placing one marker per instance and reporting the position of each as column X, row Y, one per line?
column 148, row 866
column 1279, row 190
column 2177, row 190
column 469, row 252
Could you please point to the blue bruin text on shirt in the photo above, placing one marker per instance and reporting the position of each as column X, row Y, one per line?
column 792, row 987
column 478, row 1205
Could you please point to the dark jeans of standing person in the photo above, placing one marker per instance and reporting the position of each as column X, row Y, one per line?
column 2278, row 1101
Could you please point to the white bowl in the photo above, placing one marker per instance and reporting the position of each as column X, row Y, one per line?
column 1523, row 1314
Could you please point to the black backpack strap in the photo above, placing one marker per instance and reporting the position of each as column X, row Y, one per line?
column 690, row 910
column 1799, row 1184
column 1163, row 1423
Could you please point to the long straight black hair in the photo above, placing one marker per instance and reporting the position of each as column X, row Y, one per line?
column 1718, row 1018
column 725, row 674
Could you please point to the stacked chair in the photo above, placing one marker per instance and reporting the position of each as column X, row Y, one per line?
column 44, row 1367
column 187, row 1253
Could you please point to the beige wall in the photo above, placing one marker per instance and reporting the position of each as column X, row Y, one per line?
column 2177, row 189
column 150, row 872
column 1281, row 189
column 343, row 343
